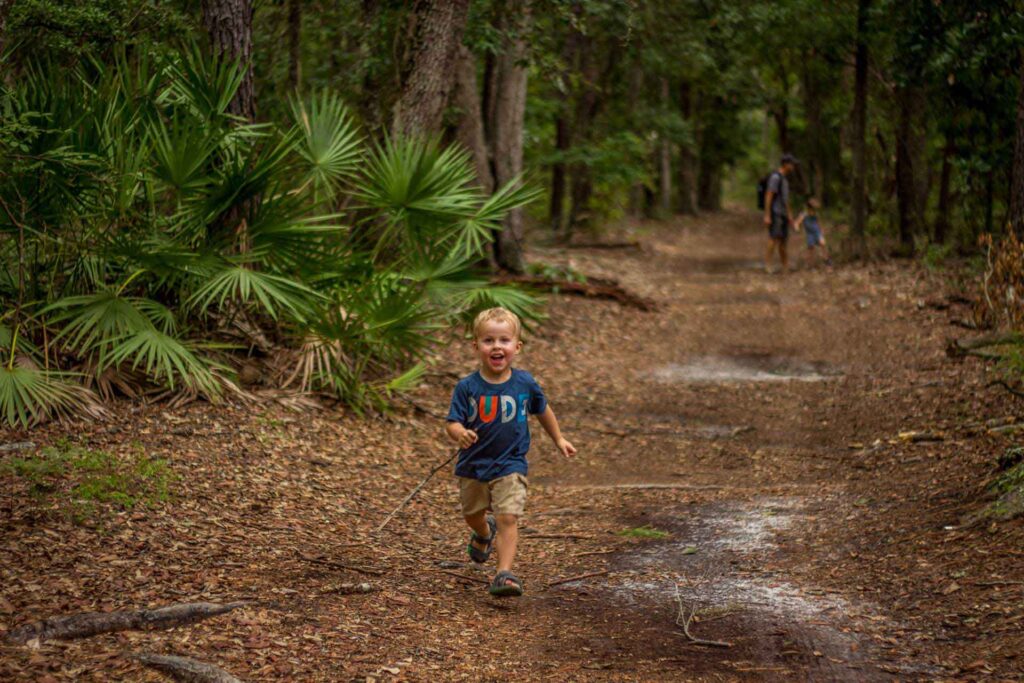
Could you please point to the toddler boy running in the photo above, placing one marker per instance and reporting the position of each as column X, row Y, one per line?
column 488, row 420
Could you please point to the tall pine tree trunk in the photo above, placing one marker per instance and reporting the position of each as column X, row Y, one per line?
column 470, row 129
column 229, row 25
column 509, row 116
column 436, row 34
column 563, row 133
column 294, row 44
column 942, row 217
column 1016, row 218
column 906, row 188
column 859, row 142
column 665, row 159
column 687, row 180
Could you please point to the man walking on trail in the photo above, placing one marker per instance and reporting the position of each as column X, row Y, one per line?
column 777, row 216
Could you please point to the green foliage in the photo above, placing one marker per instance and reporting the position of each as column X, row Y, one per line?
column 152, row 219
column 84, row 482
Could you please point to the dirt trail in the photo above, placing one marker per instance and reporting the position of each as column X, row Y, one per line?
column 748, row 429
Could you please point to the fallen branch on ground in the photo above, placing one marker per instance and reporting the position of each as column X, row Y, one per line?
column 958, row 348
column 90, row 624
column 186, row 669
column 417, row 490
column 595, row 288
column 578, row 577
column 595, row 552
column 684, row 622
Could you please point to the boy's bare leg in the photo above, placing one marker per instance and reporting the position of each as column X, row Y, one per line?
column 478, row 523
column 508, row 539
column 768, row 254
column 783, row 256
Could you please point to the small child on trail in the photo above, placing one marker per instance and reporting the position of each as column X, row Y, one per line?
column 808, row 220
column 488, row 420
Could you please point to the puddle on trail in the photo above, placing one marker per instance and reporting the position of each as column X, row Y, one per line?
column 743, row 368
column 714, row 560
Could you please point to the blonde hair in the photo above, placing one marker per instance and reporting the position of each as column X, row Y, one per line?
column 498, row 314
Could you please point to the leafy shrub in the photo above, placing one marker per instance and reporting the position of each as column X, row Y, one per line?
column 146, row 234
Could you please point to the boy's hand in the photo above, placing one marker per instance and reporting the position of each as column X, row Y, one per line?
column 467, row 438
column 568, row 450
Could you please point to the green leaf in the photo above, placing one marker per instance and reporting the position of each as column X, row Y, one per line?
column 272, row 293
column 329, row 142
column 29, row 395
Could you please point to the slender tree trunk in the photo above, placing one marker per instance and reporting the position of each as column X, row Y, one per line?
column 781, row 116
column 942, row 219
column 709, row 185
column 509, row 117
column 563, row 134
column 906, row 187
column 294, row 45
column 5, row 9
column 859, row 142
column 1017, row 187
column 470, row 129
column 436, row 35
column 563, row 141
column 229, row 25
column 815, row 128
column 687, row 190
column 665, row 159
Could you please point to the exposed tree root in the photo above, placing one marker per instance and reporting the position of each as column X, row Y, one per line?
column 186, row 669
column 90, row 624
column 578, row 577
column 594, row 288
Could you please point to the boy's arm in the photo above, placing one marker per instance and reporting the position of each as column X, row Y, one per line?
column 799, row 222
column 460, row 435
column 549, row 422
column 769, row 196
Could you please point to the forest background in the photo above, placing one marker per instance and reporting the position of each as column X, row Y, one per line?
column 199, row 197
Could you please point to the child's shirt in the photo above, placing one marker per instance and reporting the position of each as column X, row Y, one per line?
column 811, row 223
column 498, row 414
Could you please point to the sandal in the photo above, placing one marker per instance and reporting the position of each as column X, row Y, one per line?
column 476, row 554
column 505, row 585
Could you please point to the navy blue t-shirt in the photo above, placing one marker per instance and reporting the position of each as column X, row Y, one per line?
column 498, row 414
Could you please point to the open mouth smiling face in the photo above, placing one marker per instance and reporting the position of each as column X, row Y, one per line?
column 497, row 345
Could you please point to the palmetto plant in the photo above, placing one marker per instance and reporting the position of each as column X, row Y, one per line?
column 143, row 227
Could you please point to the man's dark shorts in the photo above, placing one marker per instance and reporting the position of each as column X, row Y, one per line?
column 779, row 229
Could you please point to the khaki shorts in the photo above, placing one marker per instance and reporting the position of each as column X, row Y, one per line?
column 504, row 495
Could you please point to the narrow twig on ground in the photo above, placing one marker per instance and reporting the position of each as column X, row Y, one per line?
column 595, row 552
column 578, row 577
column 417, row 490
column 568, row 536
column 464, row 577
column 186, row 669
column 341, row 565
column 685, row 616
column 1005, row 385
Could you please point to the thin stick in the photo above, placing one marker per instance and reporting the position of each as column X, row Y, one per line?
column 578, row 577
column 569, row 536
column 474, row 579
column 685, row 623
column 417, row 490
column 341, row 565
column 596, row 552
